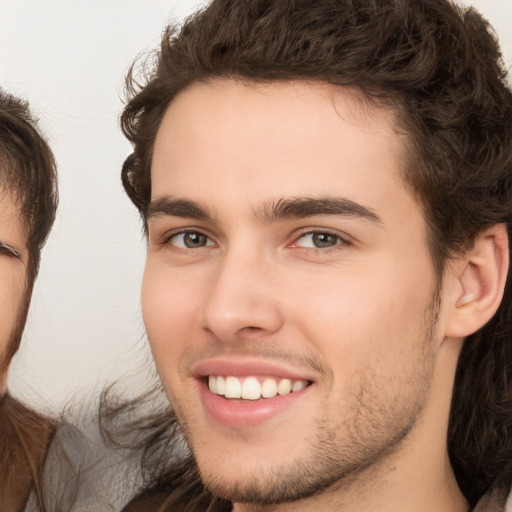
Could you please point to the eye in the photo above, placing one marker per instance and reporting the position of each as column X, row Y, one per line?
column 190, row 240
column 9, row 250
column 318, row 240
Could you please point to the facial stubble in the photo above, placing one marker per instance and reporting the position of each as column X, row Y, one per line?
column 343, row 449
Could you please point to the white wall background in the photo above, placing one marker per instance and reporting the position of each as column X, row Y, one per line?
column 69, row 59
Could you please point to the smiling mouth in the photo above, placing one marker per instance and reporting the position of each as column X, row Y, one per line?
column 253, row 388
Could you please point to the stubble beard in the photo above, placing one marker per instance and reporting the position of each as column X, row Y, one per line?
column 342, row 449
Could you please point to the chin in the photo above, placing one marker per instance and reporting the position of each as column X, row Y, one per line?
column 241, row 480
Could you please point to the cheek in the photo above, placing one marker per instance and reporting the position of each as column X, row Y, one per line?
column 170, row 311
column 12, row 291
column 364, row 315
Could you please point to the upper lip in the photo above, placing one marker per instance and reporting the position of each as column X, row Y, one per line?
column 249, row 367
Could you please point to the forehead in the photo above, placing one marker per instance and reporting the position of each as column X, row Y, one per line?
column 260, row 142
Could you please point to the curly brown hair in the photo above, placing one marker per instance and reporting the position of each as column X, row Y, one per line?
column 439, row 68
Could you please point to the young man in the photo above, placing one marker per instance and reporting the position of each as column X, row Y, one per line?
column 326, row 192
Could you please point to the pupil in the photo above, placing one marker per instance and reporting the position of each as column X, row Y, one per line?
column 194, row 240
column 324, row 240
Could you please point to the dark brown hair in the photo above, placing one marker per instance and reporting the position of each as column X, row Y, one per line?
column 439, row 67
column 28, row 176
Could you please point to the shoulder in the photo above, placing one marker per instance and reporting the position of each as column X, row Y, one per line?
column 25, row 436
column 146, row 502
column 160, row 500
column 499, row 496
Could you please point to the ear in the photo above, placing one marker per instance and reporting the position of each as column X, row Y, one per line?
column 479, row 282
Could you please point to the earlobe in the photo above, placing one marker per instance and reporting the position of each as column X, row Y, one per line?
column 480, row 281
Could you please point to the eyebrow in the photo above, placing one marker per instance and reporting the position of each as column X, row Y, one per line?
column 282, row 209
column 302, row 207
column 177, row 208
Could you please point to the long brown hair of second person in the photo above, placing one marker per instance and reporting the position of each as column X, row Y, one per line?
column 28, row 176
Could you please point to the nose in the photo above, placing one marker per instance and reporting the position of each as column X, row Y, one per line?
column 242, row 299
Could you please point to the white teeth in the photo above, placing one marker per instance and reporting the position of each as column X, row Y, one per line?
column 284, row 387
column 212, row 384
column 250, row 388
column 220, row 386
column 269, row 388
column 297, row 385
column 233, row 388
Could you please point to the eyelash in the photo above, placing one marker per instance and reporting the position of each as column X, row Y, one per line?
column 8, row 250
column 167, row 240
column 339, row 240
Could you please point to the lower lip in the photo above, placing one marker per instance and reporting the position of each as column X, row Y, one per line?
column 249, row 413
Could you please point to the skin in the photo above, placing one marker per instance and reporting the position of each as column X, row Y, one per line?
column 13, row 268
column 357, row 316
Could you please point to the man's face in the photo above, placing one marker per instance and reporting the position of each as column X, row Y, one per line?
column 13, row 269
column 285, row 251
